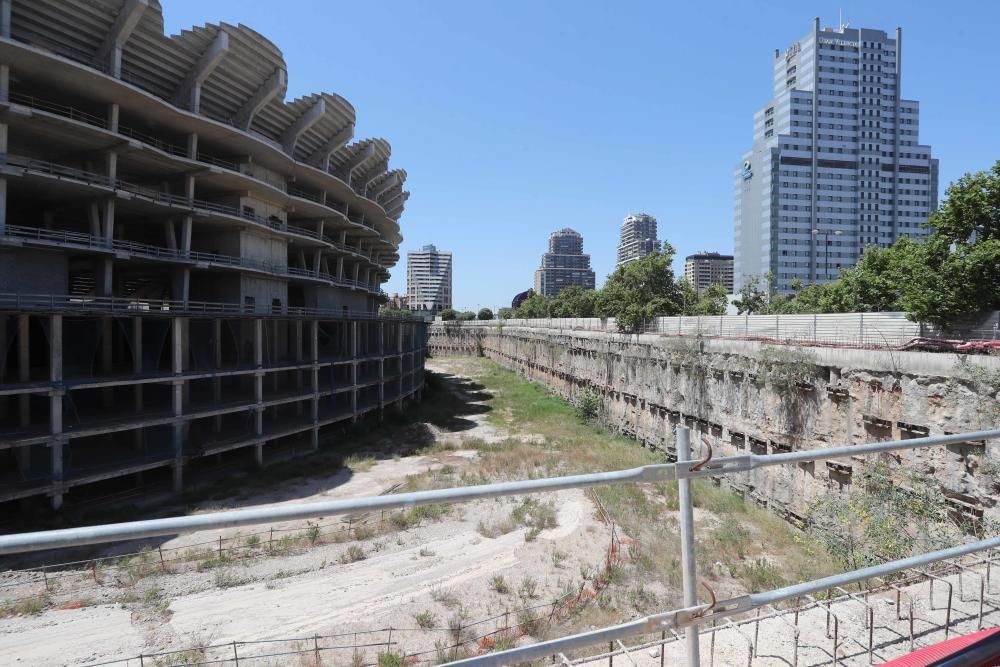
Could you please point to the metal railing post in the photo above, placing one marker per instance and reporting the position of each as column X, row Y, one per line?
column 687, row 544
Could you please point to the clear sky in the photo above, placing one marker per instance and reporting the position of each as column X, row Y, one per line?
column 514, row 118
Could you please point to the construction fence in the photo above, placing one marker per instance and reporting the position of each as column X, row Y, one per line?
column 862, row 330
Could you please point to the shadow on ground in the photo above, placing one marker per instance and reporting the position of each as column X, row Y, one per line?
column 448, row 403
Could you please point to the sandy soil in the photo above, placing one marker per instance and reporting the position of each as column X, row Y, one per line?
column 442, row 567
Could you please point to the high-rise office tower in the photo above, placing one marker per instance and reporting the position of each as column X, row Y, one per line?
column 428, row 279
column 638, row 237
column 564, row 265
column 836, row 163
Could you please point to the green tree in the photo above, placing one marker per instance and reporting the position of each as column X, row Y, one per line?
column 465, row 316
column 971, row 205
column 385, row 311
column 449, row 314
column 485, row 314
column 535, row 305
column 573, row 302
column 750, row 298
column 641, row 290
column 505, row 313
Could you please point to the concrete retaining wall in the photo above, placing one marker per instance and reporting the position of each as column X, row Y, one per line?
column 749, row 396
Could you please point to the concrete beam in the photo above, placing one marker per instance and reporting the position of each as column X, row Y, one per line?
column 188, row 93
column 291, row 135
column 384, row 186
column 348, row 167
column 110, row 51
column 365, row 178
column 321, row 156
column 273, row 87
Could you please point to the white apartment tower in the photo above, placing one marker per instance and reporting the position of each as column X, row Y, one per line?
column 428, row 279
column 638, row 238
column 836, row 163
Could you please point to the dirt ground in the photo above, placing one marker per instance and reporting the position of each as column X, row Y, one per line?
column 441, row 568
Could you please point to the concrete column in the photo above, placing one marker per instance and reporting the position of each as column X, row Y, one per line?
column 357, row 270
column 354, row 371
column 94, row 214
column 340, row 268
column 105, row 360
column 314, row 376
column 170, row 233
column 192, row 146
column 178, row 358
column 3, row 205
column 104, row 277
column 320, row 225
column 186, row 224
column 56, row 439
column 343, row 237
column 3, row 355
column 24, row 366
column 180, row 287
column 316, row 259
column 5, row 18
column 4, row 83
column 217, row 381
column 111, row 167
column 258, row 387
column 189, row 186
column 113, row 117
column 137, row 395
column 381, row 370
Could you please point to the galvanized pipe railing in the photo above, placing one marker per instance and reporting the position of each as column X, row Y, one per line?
column 691, row 616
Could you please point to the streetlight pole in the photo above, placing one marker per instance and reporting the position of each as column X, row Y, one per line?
column 826, row 250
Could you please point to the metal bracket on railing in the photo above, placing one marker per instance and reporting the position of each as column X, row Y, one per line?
column 710, row 467
column 724, row 609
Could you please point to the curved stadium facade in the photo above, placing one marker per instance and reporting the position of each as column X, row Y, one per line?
column 190, row 267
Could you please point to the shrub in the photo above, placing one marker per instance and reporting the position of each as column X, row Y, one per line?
column 425, row 619
column 587, row 405
column 499, row 584
column 389, row 659
column 485, row 314
column 353, row 554
column 528, row 590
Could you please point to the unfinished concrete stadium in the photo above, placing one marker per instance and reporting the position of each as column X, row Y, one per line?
column 189, row 265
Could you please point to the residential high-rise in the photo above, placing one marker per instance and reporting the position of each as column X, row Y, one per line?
column 564, row 265
column 428, row 279
column 836, row 164
column 638, row 237
column 709, row 268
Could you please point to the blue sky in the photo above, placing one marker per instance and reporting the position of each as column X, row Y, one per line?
column 515, row 118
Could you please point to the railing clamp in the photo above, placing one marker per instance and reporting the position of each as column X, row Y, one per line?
column 711, row 467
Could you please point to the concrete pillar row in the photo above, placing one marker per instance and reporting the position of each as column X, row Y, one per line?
column 56, row 438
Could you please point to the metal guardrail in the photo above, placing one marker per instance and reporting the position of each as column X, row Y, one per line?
column 690, row 617
column 128, row 306
column 172, row 254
